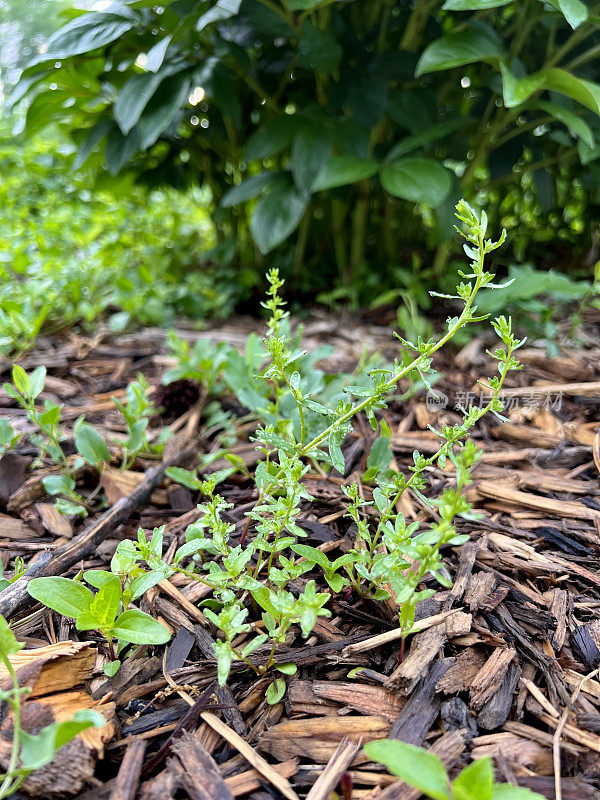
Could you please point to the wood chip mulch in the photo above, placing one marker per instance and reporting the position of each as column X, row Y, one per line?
column 506, row 663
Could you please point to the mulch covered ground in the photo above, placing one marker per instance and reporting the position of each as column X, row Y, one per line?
column 506, row 662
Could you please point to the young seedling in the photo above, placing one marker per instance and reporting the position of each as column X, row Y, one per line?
column 424, row 771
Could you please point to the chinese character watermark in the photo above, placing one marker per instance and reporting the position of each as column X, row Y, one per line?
column 438, row 401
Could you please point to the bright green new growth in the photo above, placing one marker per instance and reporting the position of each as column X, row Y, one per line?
column 424, row 770
column 30, row 752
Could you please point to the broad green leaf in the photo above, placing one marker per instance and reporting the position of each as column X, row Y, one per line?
column 91, row 445
column 37, row 379
column 420, row 180
column 342, row 170
column 575, row 124
column 89, row 32
column 133, row 98
column 68, row 597
column 277, row 215
column 222, row 10
column 119, row 149
column 318, row 50
column 516, row 90
column 162, row 108
column 224, row 656
column 574, row 11
column 584, row 92
column 91, row 141
column 475, row 782
column 248, row 189
column 431, row 134
column 311, row 148
column 287, row 669
column 156, row 55
column 139, row 628
column 20, row 379
column 415, row 765
column 312, row 554
column 97, row 577
column 111, row 668
column 8, row 642
column 506, row 791
column 456, row 49
column 271, row 138
column 473, row 5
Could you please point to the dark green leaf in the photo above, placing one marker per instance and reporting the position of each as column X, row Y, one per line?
column 222, row 10
column 133, row 98
column 91, row 445
column 473, row 5
column 276, row 215
column 311, row 148
column 89, row 32
column 162, row 108
column 456, row 49
column 420, row 180
column 248, row 189
column 342, row 170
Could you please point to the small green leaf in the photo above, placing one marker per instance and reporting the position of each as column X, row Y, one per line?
column 287, row 669
column 475, row 782
column 185, row 477
column 275, row 691
column 415, row 765
column 8, row 643
column 506, row 791
column 58, row 484
column 38, row 750
column 111, row 668
column 66, row 596
column 91, row 445
column 342, row 170
column 139, row 628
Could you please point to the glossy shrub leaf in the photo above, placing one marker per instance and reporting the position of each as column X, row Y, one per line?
column 311, row 148
column 271, row 138
column 420, row 180
column 432, row 134
column 68, row 597
column 456, row 49
column 584, row 92
column 162, row 108
column 133, row 98
column 91, row 445
column 574, row 11
column 276, row 215
column 318, row 50
column 139, row 628
column 473, row 5
column 89, row 32
column 222, row 10
column 574, row 123
column 58, row 484
column 475, row 782
column 414, row 765
column 156, row 55
column 342, row 170
column 515, row 90
column 248, row 189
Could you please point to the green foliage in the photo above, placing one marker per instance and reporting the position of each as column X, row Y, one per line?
column 422, row 769
column 105, row 611
column 301, row 423
column 317, row 125
column 32, row 751
column 71, row 255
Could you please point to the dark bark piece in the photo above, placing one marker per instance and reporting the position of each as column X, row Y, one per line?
column 495, row 712
column 179, row 649
column 13, row 473
column 128, row 778
column 156, row 719
column 558, row 609
column 456, row 716
column 564, row 543
column 420, row 712
column 200, row 776
column 468, row 553
column 15, row 596
column 584, row 647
